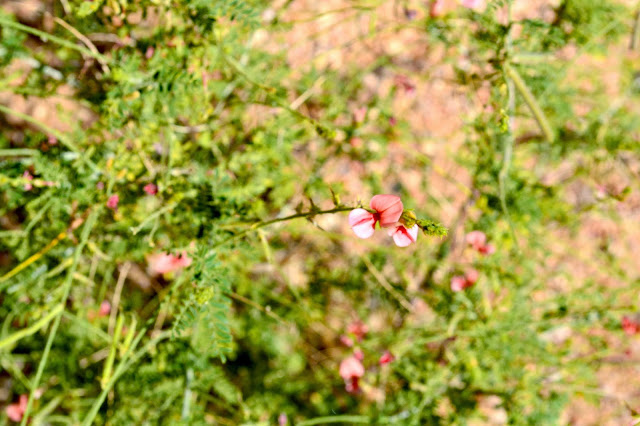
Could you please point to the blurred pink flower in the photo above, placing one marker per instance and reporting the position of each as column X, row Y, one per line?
column 630, row 326
column 393, row 121
column 52, row 140
column 386, row 358
column 436, row 8
column 27, row 176
column 473, row 4
column 403, row 82
column 162, row 263
column 149, row 52
column 358, row 329
column 461, row 282
column 476, row 239
column 388, row 211
column 471, row 276
column 113, row 201
column 357, row 352
column 283, row 420
column 105, row 309
column 403, row 236
column 100, row 186
column 151, row 188
column 359, row 114
column 346, row 340
column 458, row 283
column 487, row 249
column 16, row 411
column 356, row 142
column 351, row 369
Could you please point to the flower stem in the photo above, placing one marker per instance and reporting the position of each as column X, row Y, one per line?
column 308, row 214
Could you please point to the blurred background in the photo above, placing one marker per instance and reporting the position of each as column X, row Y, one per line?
column 146, row 144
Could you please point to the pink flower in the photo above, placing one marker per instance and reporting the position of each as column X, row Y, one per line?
column 28, row 176
column 630, row 326
column 388, row 207
column 100, row 186
column 105, row 309
column 458, row 283
column 149, row 52
column 359, row 114
column 471, row 276
column 403, row 82
column 403, row 236
column 162, row 263
column 16, row 411
column 436, row 8
column 283, row 420
column 386, row 358
column 346, row 340
column 461, row 282
column 357, row 352
column 487, row 249
column 113, row 201
column 151, row 188
column 362, row 222
column 351, row 369
column 476, row 239
column 358, row 329
column 473, row 4
column 388, row 211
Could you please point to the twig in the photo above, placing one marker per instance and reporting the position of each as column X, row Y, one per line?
column 115, row 302
column 46, row 36
column 531, row 102
column 386, row 285
column 249, row 302
column 87, row 42
column 259, row 225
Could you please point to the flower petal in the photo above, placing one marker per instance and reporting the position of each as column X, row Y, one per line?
column 476, row 239
column 389, row 208
column 403, row 236
column 471, row 276
column 487, row 249
column 351, row 367
column 458, row 283
column 362, row 222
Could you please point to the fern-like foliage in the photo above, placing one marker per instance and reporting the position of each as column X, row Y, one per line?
column 206, row 311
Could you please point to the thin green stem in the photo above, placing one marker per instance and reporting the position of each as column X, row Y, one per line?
column 136, row 229
column 46, row 36
column 19, row 152
column 335, row 419
column 66, row 288
column 509, row 139
column 123, row 366
column 531, row 102
column 259, row 225
column 32, row 329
